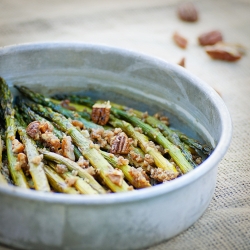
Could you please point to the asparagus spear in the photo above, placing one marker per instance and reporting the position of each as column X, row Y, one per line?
column 2, row 178
column 158, row 137
column 18, row 176
column 57, row 182
column 134, row 176
column 73, row 166
column 204, row 148
column 87, row 101
column 35, row 163
column 82, row 185
column 40, row 99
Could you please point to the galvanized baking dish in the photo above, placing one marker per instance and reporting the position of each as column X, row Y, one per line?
column 132, row 220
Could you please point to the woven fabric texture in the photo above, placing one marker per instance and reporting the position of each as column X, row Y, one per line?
column 147, row 26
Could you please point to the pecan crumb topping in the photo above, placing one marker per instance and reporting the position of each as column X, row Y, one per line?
column 82, row 162
column 17, row 147
column 162, row 175
column 140, row 177
column 68, row 148
column 22, row 162
column 61, row 168
column 37, row 159
column 70, row 181
column 116, row 176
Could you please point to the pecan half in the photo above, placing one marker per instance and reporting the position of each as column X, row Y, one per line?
column 223, row 51
column 33, row 130
column 180, row 40
column 100, row 113
column 120, row 144
column 210, row 38
column 187, row 12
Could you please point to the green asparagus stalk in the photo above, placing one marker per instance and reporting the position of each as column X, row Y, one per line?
column 77, row 107
column 3, row 181
column 192, row 143
column 1, row 153
column 87, row 101
column 71, row 165
column 160, row 161
column 18, row 176
column 35, row 163
column 133, row 175
column 57, row 182
column 82, row 185
column 40, row 99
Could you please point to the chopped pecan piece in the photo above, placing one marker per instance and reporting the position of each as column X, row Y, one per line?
column 33, row 130
column 141, row 180
column 22, row 162
column 70, row 181
column 116, row 176
column 182, row 62
column 17, row 147
column 91, row 170
column 51, row 141
column 61, row 168
column 122, row 161
column 100, row 113
column 162, row 175
column 187, row 12
column 180, row 40
column 210, row 38
column 37, row 159
column 45, row 127
column 120, row 144
column 223, row 51
column 68, row 148
column 82, row 162
column 77, row 124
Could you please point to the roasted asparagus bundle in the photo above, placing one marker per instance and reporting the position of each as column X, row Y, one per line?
column 76, row 145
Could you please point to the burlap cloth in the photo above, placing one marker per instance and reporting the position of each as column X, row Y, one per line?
column 147, row 26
